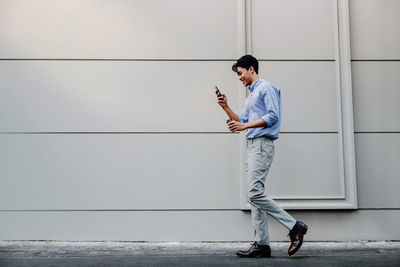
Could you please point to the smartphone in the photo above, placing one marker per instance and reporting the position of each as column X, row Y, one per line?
column 218, row 91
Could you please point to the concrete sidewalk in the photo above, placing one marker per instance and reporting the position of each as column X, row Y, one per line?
column 54, row 253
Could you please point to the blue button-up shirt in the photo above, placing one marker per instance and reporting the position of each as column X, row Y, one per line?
column 264, row 101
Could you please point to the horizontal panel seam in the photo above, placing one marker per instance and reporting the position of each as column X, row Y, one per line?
column 195, row 210
column 378, row 208
column 155, row 133
column 307, row 60
column 372, row 60
column 116, row 59
column 117, row 133
column 113, row 210
column 386, row 132
column 155, row 59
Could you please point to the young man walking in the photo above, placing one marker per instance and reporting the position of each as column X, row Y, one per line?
column 261, row 118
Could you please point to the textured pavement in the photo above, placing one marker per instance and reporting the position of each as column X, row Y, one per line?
column 55, row 253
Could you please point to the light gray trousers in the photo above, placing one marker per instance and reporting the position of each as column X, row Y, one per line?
column 260, row 153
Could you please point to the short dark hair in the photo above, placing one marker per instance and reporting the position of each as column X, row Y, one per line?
column 246, row 62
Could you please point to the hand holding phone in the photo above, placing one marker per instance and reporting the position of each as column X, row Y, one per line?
column 221, row 98
column 217, row 91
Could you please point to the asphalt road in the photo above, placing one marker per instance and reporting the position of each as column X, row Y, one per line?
column 14, row 253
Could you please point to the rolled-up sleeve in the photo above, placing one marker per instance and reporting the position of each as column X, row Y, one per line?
column 271, row 101
column 244, row 116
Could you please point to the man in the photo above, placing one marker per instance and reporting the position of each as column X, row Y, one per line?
column 261, row 118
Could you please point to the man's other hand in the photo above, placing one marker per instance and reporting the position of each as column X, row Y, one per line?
column 235, row 126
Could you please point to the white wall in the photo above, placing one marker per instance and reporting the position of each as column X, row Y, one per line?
column 376, row 88
column 109, row 128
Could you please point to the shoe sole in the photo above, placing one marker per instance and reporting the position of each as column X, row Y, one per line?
column 258, row 256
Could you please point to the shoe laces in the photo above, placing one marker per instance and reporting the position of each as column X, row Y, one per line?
column 253, row 245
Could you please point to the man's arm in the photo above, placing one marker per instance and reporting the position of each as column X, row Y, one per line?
column 271, row 101
column 236, row 126
column 223, row 102
column 231, row 114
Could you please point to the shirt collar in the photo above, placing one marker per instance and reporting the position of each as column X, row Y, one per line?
column 254, row 84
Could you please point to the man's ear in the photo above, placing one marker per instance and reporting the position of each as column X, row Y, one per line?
column 251, row 69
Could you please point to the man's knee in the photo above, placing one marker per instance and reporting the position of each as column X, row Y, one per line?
column 254, row 194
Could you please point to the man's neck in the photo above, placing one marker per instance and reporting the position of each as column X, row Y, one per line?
column 255, row 77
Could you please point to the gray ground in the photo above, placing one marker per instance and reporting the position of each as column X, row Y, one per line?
column 54, row 253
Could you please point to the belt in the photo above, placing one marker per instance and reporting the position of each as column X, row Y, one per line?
column 252, row 140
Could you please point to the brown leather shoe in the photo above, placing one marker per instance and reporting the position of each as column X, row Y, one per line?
column 256, row 250
column 296, row 236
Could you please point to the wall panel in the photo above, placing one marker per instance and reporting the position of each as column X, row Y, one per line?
column 123, row 171
column 306, row 166
column 376, row 89
column 130, row 96
column 288, row 29
column 118, row 29
column 374, row 29
column 378, row 169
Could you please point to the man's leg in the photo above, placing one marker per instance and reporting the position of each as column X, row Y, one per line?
column 260, row 224
column 260, row 155
column 260, row 247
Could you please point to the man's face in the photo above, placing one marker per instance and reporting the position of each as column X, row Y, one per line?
column 244, row 75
